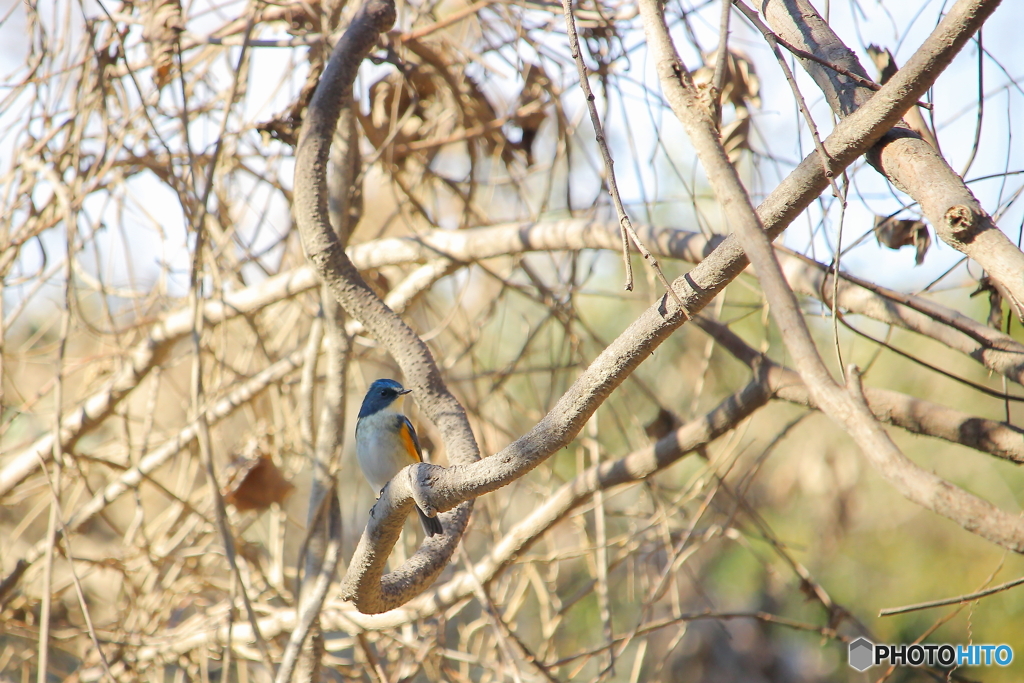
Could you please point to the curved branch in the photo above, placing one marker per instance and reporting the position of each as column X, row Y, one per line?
column 365, row 582
column 445, row 249
column 634, row 467
column 911, row 164
column 852, row 137
column 915, row 415
column 846, row 406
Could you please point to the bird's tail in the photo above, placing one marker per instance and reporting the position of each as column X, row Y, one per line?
column 431, row 525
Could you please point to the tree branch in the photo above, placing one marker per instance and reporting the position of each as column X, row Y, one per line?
column 635, row 467
column 444, row 250
column 908, row 161
column 915, row 415
column 848, row 406
column 364, row 582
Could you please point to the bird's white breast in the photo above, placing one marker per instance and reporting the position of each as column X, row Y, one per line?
column 379, row 448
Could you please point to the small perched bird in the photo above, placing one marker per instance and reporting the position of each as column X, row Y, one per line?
column 386, row 441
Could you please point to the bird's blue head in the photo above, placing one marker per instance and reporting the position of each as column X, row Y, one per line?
column 382, row 394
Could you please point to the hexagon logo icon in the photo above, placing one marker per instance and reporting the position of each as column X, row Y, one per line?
column 861, row 654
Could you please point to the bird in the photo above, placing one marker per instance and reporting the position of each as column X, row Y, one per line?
column 386, row 441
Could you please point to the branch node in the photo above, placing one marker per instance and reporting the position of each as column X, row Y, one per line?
column 962, row 222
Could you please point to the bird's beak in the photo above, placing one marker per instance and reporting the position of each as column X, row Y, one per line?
column 403, row 392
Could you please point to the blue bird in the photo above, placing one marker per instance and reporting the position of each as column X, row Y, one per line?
column 386, row 441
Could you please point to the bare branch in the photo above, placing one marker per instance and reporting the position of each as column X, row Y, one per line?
column 635, row 467
column 364, row 582
column 908, row 161
column 845, row 406
column 915, row 415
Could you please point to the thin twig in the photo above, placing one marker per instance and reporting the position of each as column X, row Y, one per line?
column 773, row 43
column 613, row 189
column 836, row 258
column 377, row 672
column 890, row 611
column 721, row 62
column 202, row 426
column 311, row 601
column 79, row 591
column 502, row 630
column 765, row 617
column 857, row 78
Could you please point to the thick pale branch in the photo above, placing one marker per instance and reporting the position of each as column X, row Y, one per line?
column 445, row 249
column 845, row 406
column 908, row 161
column 635, row 467
column 907, row 412
column 364, row 583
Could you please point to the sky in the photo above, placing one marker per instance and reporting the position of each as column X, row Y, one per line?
column 653, row 159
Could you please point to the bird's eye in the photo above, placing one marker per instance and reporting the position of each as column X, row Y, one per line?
column 383, row 392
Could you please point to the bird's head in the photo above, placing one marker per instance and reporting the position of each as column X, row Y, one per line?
column 381, row 394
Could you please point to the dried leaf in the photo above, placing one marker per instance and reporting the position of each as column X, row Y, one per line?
column 995, row 301
column 161, row 25
column 896, row 233
column 430, row 103
column 735, row 137
column 255, row 482
column 378, row 282
column 661, row 426
column 884, row 62
column 887, row 68
column 536, row 86
column 997, row 294
column 741, row 87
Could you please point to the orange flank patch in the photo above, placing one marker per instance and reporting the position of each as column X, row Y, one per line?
column 410, row 445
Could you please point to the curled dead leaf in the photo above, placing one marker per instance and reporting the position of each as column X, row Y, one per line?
column 254, row 481
column 997, row 294
column 735, row 137
column 741, row 87
column 895, row 233
column 886, row 65
column 661, row 426
column 536, row 86
column 161, row 26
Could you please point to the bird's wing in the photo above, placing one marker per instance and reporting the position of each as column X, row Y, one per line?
column 409, row 438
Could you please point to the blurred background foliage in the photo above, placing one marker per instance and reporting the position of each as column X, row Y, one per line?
column 470, row 115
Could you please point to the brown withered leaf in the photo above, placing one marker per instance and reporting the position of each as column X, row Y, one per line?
column 735, row 137
column 997, row 294
column 161, row 25
column 536, row 86
column 254, row 481
column 741, row 87
column 887, row 68
column 896, row 232
column 406, row 106
column 661, row 426
column 431, row 102
column 378, row 282
column 884, row 62
column 995, row 301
